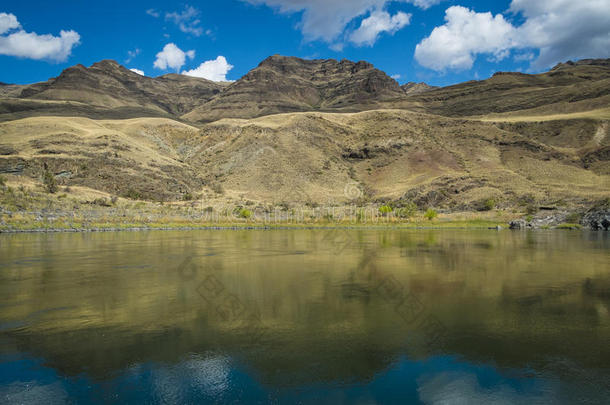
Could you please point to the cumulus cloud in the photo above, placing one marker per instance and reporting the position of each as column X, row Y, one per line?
column 8, row 22
column 215, row 70
column 378, row 22
column 466, row 33
column 172, row 57
column 564, row 29
column 138, row 71
column 326, row 20
column 556, row 30
column 187, row 20
column 15, row 41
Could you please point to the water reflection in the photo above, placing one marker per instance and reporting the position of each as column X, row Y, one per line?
column 313, row 316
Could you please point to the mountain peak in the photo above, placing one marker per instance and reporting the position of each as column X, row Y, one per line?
column 106, row 63
column 286, row 84
column 416, row 88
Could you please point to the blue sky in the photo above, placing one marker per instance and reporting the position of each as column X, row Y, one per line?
column 439, row 42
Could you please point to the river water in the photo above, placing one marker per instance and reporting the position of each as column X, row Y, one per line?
column 305, row 316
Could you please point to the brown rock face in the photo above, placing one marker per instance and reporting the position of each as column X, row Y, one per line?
column 288, row 84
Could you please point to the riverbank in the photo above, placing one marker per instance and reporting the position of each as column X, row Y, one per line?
column 28, row 209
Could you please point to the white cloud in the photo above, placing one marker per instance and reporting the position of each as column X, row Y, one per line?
column 375, row 24
column 8, row 22
column 153, row 13
column 557, row 29
column 396, row 77
column 138, row 71
column 172, row 57
column 564, row 29
column 466, row 33
column 30, row 45
column 131, row 55
column 215, row 70
column 425, row 4
column 326, row 20
column 186, row 20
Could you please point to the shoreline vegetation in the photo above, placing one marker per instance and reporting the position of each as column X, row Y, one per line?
column 31, row 208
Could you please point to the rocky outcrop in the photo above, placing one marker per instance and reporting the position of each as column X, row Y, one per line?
column 597, row 220
column 518, row 224
column 416, row 88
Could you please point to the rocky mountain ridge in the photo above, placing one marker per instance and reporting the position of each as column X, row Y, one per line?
column 282, row 84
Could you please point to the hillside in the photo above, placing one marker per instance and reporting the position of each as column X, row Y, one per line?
column 517, row 140
column 315, row 157
column 571, row 87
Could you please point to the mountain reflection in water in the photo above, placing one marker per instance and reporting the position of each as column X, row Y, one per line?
column 324, row 316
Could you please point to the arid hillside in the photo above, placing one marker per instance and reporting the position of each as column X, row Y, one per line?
column 316, row 132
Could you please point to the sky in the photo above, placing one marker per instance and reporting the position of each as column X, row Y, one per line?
column 440, row 42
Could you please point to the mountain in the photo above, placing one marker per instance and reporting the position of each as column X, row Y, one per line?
column 416, row 88
column 570, row 87
column 317, row 131
column 288, row 84
column 107, row 89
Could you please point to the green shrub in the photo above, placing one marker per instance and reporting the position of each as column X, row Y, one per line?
column 244, row 213
column 569, row 226
column 489, row 204
column 187, row 197
column 48, row 179
column 531, row 209
column 2, row 181
column 407, row 211
column 430, row 214
column 384, row 210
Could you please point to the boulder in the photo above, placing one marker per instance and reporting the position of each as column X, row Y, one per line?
column 518, row 224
